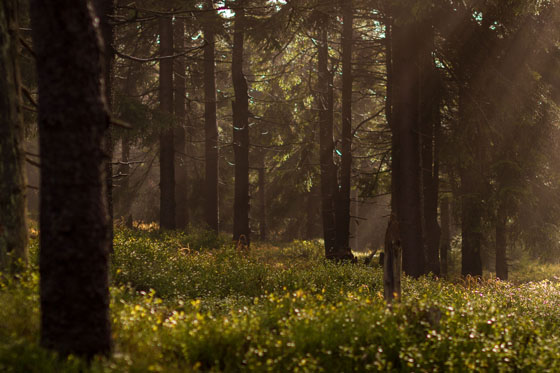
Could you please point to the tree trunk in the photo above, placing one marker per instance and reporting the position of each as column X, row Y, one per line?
column 395, row 144
column 343, row 196
column 310, row 213
column 262, row 197
column 445, row 244
column 181, row 170
column 104, row 8
column 125, row 194
column 326, row 145
column 471, row 189
column 211, row 130
column 392, row 261
column 501, row 243
column 429, row 121
column 241, row 231
column 74, row 217
column 406, row 142
column 13, row 223
column 166, row 142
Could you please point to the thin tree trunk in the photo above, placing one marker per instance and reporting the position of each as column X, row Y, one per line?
column 405, row 118
column 354, row 220
column 181, row 170
column 74, row 216
column 122, row 195
column 262, row 198
column 395, row 145
column 392, row 261
column 211, row 131
column 501, row 243
column 445, row 244
column 13, row 223
column 471, row 190
column 124, row 189
column 241, row 231
column 310, row 213
column 166, row 142
column 326, row 144
column 343, row 200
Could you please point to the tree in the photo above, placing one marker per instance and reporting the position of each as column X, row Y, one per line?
column 241, row 230
column 166, row 143
column 74, row 218
column 181, row 176
column 430, row 123
column 406, row 140
column 326, row 141
column 104, row 9
column 210, row 125
column 13, row 224
column 343, row 195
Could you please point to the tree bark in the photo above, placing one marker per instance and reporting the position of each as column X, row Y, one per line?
column 343, row 195
column 392, row 261
column 241, row 230
column 406, row 130
column 124, row 188
column 471, row 188
column 429, row 122
column 13, row 223
column 445, row 244
column 74, row 217
column 326, row 143
column 181, row 161
column 211, row 130
column 395, row 144
column 104, row 9
column 262, row 198
column 501, row 243
column 166, row 147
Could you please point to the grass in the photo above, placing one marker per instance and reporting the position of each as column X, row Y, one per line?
column 196, row 303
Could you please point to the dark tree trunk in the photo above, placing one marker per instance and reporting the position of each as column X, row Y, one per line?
column 241, row 231
column 181, row 170
column 392, row 261
column 310, row 213
column 343, row 195
column 262, row 198
column 445, row 244
column 471, row 189
column 74, row 218
column 395, row 144
column 210, row 130
column 501, row 243
column 471, row 225
column 13, row 223
column 125, row 195
column 104, row 9
column 326, row 145
column 429, row 122
column 407, row 169
column 166, row 142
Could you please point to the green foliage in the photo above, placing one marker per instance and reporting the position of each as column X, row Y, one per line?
column 213, row 308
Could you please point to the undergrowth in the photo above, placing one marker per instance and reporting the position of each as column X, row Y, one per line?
column 197, row 303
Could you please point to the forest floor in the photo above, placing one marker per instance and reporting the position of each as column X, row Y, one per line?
column 195, row 303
